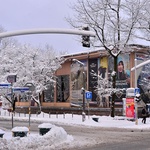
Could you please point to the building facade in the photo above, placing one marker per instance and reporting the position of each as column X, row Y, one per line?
column 92, row 70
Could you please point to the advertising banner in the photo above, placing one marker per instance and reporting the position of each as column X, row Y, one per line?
column 78, row 80
column 123, row 71
column 130, row 108
column 93, row 69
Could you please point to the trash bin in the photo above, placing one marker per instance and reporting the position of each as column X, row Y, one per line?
column 20, row 131
column 43, row 131
column 20, row 134
column 1, row 133
column 95, row 118
column 44, row 128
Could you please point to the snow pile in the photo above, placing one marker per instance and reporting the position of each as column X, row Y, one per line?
column 53, row 139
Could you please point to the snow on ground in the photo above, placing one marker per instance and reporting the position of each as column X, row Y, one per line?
column 48, row 141
column 54, row 139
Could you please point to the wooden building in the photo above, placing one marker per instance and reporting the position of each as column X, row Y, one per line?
column 70, row 77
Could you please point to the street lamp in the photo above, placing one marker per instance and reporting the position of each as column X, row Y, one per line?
column 82, row 89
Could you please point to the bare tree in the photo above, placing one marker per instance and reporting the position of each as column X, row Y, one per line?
column 116, row 24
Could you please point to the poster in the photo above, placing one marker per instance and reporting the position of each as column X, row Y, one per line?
column 103, row 84
column 123, row 71
column 130, row 113
column 103, row 66
column 78, row 80
column 93, row 80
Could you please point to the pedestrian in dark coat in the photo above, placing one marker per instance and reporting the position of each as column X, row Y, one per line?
column 144, row 115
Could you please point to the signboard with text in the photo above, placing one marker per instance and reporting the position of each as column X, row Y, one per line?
column 88, row 95
column 130, row 113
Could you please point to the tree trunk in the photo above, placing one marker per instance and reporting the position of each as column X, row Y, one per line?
column 114, row 86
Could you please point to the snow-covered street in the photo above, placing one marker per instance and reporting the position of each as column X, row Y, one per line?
column 58, row 138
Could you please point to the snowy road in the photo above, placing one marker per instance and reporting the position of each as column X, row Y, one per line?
column 96, row 137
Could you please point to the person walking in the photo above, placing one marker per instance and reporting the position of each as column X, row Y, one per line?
column 144, row 115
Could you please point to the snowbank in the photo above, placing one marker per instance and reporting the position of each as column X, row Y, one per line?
column 54, row 139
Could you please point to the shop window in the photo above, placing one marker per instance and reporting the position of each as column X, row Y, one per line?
column 63, row 88
column 49, row 92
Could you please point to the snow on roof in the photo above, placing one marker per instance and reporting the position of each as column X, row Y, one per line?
column 85, row 51
column 137, row 44
column 141, row 42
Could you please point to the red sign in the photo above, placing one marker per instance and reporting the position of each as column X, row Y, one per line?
column 130, row 113
column 11, row 78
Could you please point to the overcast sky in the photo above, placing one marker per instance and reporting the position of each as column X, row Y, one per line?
column 28, row 14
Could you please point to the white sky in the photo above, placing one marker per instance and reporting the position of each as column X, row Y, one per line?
column 64, row 140
column 28, row 14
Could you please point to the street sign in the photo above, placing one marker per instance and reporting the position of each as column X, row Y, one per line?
column 136, row 91
column 31, row 86
column 88, row 95
column 5, row 85
column 20, row 89
column 11, row 78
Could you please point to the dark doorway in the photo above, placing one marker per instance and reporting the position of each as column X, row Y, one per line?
column 63, row 88
column 93, row 69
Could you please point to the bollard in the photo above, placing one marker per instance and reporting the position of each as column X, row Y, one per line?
column 64, row 115
column 1, row 133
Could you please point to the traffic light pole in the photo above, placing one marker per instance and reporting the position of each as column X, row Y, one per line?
column 47, row 31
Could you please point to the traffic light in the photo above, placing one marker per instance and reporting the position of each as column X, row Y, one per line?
column 85, row 38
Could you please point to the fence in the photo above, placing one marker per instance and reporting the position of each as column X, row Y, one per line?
column 6, row 114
